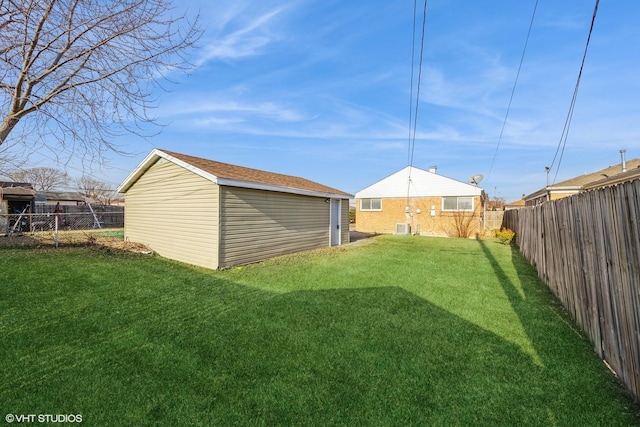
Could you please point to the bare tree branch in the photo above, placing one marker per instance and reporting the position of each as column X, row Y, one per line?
column 93, row 189
column 78, row 73
column 42, row 178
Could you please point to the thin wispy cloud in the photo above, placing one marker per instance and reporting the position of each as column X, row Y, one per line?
column 241, row 111
column 322, row 86
column 569, row 23
column 248, row 40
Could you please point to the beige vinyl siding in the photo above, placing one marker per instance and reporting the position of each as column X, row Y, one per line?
column 174, row 212
column 4, row 219
column 256, row 224
column 344, row 223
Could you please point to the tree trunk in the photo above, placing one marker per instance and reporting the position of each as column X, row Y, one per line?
column 7, row 126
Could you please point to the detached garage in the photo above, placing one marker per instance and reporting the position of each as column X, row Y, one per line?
column 218, row 215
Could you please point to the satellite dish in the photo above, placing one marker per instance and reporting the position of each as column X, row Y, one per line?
column 475, row 179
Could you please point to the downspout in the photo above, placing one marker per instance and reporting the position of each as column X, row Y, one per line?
column 483, row 199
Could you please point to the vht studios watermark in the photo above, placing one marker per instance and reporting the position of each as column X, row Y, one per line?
column 43, row 418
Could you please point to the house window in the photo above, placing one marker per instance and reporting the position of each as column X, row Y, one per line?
column 370, row 204
column 457, row 204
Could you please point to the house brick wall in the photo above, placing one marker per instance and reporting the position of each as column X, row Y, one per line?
column 562, row 195
column 442, row 223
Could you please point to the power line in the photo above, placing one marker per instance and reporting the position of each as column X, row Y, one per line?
column 567, row 124
column 513, row 90
column 413, row 50
column 412, row 137
column 415, row 115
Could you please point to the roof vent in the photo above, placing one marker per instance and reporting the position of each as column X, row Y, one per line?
column 433, row 169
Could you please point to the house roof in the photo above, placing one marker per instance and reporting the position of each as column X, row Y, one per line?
column 584, row 181
column 16, row 189
column 588, row 178
column 517, row 204
column 61, row 195
column 415, row 182
column 629, row 175
column 234, row 176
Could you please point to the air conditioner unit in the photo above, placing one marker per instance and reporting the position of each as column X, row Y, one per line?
column 403, row 228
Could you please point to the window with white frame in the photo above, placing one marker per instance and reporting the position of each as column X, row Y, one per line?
column 370, row 204
column 457, row 203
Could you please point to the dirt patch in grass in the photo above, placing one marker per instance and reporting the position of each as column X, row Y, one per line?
column 74, row 238
column 18, row 240
column 122, row 245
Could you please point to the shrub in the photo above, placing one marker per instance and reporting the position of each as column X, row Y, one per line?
column 505, row 235
column 462, row 224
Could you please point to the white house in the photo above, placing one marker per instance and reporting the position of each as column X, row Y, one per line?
column 419, row 201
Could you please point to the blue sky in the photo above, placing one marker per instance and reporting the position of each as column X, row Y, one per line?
column 322, row 90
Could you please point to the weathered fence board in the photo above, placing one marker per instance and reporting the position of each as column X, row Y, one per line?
column 493, row 220
column 586, row 248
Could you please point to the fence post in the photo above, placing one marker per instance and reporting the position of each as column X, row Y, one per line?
column 55, row 238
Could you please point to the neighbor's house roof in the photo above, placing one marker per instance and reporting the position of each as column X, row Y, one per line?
column 515, row 205
column 234, row 176
column 67, row 196
column 415, row 182
column 629, row 175
column 586, row 181
column 8, row 188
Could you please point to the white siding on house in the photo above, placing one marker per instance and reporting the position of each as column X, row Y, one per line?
column 257, row 224
column 423, row 184
column 174, row 212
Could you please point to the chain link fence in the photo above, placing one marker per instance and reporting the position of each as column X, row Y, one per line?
column 70, row 224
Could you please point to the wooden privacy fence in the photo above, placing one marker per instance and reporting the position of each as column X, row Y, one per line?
column 586, row 248
column 493, row 220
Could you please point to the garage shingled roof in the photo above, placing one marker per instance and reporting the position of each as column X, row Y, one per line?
column 241, row 174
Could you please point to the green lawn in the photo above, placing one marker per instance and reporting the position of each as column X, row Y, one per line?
column 118, row 234
column 401, row 331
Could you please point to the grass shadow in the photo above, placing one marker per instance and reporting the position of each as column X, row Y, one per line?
column 136, row 340
column 564, row 357
column 379, row 356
